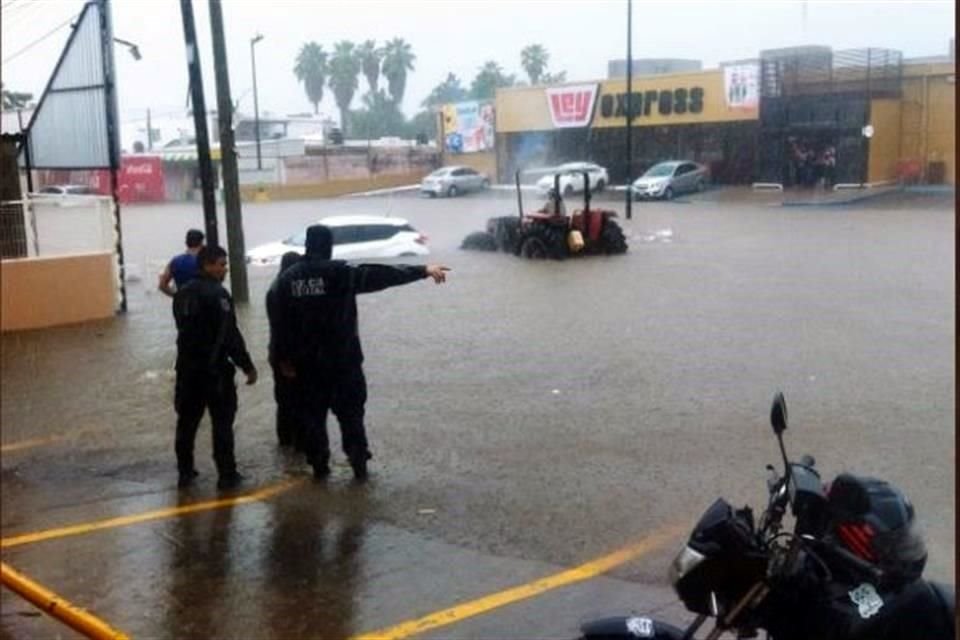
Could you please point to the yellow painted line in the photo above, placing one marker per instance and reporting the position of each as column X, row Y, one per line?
column 52, row 604
column 123, row 521
column 29, row 444
column 488, row 603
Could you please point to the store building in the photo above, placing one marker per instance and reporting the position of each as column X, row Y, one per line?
column 885, row 118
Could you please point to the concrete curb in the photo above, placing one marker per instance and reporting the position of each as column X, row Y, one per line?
column 869, row 194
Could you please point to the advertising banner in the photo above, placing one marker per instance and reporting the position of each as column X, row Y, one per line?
column 741, row 86
column 468, row 127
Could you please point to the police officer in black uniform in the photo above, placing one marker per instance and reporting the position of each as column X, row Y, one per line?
column 317, row 342
column 285, row 391
column 209, row 346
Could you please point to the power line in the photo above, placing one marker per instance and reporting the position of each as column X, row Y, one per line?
column 41, row 38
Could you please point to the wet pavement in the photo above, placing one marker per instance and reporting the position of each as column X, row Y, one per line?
column 526, row 417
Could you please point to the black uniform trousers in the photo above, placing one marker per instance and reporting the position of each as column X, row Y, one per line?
column 287, row 395
column 197, row 391
column 344, row 393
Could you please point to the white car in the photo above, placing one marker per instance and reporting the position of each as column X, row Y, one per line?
column 667, row 179
column 571, row 178
column 354, row 238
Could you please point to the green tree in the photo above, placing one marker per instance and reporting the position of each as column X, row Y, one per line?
column 554, row 78
column 13, row 100
column 311, row 69
column 533, row 59
column 450, row 90
column 398, row 59
column 370, row 57
column 380, row 116
column 424, row 122
column 344, row 69
column 488, row 80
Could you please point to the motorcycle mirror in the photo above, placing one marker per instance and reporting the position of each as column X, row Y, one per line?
column 778, row 414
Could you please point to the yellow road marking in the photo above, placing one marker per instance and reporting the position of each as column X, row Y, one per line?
column 488, row 603
column 49, row 602
column 28, row 444
column 123, row 521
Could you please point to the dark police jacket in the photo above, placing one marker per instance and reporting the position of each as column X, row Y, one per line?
column 208, row 339
column 315, row 310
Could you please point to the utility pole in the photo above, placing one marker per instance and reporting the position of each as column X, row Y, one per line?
column 149, row 133
column 200, row 122
column 228, row 159
column 629, row 109
column 256, row 104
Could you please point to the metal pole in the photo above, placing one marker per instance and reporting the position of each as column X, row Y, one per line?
column 228, row 159
column 113, row 137
column 26, row 152
column 200, row 122
column 256, row 103
column 629, row 109
column 149, row 133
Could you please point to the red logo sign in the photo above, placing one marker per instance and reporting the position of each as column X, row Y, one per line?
column 572, row 106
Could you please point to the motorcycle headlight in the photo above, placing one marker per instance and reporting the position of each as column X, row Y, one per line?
column 686, row 561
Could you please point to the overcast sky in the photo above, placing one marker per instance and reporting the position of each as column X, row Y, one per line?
column 449, row 36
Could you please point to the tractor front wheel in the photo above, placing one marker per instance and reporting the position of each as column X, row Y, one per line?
column 612, row 240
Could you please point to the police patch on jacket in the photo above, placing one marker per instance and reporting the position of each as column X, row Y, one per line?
column 307, row 287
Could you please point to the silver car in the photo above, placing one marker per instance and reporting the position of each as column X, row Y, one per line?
column 452, row 181
column 667, row 179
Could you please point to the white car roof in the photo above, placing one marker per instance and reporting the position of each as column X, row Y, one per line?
column 344, row 221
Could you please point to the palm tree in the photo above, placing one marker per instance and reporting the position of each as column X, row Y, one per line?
column 311, row 70
column 533, row 59
column 344, row 68
column 370, row 56
column 397, row 60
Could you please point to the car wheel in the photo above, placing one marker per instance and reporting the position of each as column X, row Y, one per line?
column 453, row 192
column 668, row 193
column 485, row 185
column 600, row 186
column 700, row 186
column 567, row 190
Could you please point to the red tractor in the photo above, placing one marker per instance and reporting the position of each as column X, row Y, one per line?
column 551, row 232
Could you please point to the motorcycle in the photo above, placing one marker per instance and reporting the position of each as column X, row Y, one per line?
column 851, row 568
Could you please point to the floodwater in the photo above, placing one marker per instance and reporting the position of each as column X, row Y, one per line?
column 524, row 416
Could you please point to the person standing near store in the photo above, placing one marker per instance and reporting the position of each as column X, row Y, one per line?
column 317, row 342
column 182, row 268
column 285, row 391
column 209, row 347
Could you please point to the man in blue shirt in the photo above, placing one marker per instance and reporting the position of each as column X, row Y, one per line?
column 182, row 268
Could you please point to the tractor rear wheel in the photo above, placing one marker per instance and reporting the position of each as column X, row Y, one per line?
column 612, row 240
column 506, row 231
column 540, row 242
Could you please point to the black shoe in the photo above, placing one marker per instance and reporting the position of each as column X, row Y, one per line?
column 230, row 481
column 186, row 479
column 358, row 462
column 321, row 471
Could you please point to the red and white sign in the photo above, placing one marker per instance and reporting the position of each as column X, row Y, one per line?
column 572, row 106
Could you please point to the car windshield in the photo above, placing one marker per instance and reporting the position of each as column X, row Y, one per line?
column 298, row 240
column 660, row 171
column 439, row 173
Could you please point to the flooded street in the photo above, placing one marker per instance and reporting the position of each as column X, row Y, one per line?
column 524, row 418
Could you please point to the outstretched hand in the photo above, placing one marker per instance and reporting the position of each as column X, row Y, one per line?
column 438, row 272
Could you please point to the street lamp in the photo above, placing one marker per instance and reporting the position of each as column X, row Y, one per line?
column 134, row 49
column 256, row 106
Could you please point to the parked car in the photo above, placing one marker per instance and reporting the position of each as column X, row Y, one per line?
column 62, row 195
column 452, row 181
column 571, row 178
column 667, row 179
column 354, row 238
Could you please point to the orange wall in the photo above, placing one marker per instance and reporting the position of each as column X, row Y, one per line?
column 885, row 143
column 928, row 130
column 47, row 292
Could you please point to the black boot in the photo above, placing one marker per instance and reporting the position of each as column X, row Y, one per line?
column 358, row 462
column 186, row 478
column 230, row 480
